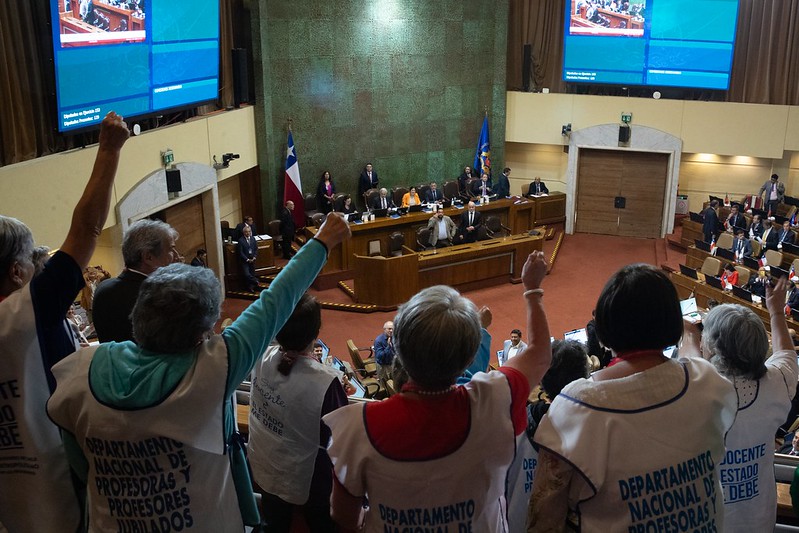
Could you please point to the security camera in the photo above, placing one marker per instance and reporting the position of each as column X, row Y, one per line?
column 226, row 158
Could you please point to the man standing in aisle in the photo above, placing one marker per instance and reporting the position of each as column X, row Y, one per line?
column 287, row 229
column 384, row 350
column 775, row 193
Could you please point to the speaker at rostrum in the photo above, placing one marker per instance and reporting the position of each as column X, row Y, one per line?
column 241, row 77
column 527, row 62
column 624, row 133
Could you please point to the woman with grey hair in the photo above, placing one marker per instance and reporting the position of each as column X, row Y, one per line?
column 152, row 423
column 735, row 341
column 436, row 454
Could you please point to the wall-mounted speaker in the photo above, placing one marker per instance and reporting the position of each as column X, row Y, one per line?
column 173, row 183
column 527, row 65
column 241, row 77
column 624, row 133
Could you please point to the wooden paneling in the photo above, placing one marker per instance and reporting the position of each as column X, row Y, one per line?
column 250, row 192
column 639, row 177
column 390, row 281
column 598, row 183
column 187, row 218
column 643, row 184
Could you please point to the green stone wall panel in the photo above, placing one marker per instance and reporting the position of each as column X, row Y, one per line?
column 401, row 83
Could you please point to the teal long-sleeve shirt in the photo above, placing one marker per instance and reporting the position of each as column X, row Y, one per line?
column 125, row 376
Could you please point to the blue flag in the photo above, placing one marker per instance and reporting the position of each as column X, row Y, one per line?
column 482, row 156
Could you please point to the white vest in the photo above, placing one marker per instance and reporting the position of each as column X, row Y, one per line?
column 161, row 468
column 747, row 471
column 464, row 491
column 647, row 467
column 285, row 412
column 36, row 493
column 520, row 483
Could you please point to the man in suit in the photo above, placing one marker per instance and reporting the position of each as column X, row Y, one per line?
column 481, row 187
column 512, row 347
column 774, row 193
column 433, row 195
column 741, row 246
column 756, row 227
column 470, row 222
column 368, row 180
column 757, row 284
column 287, row 229
column 770, row 237
column 384, row 350
column 503, row 184
column 735, row 219
column 710, row 227
column 442, row 229
column 248, row 221
column 248, row 252
column 146, row 246
column 785, row 235
column 201, row 259
column 537, row 187
column 383, row 201
column 465, row 176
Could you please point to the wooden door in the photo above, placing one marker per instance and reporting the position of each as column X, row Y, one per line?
column 598, row 183
column 643, row 184
column 187, row 218
column 638, row 177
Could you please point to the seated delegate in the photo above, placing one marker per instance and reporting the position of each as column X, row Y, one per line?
column 537, row 187
column 411, row 198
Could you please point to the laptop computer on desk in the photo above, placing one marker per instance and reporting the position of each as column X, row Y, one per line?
column 415, row 208
column 353, row 217
column 790, row 248
column 741, row 293
column 724, row 253
column 702, row 245
column 378, row 213
column 751, row 262
column 713, row 281
column 688, row 272
column 696, row 217
column 778, row 272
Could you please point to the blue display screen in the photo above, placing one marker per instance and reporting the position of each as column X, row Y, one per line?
column 135, row 57
column 666, row 43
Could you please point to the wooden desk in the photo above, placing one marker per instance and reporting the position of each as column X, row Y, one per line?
column 389, row 281
column 550, row 209
column 702, row 292
column 264, row 262
column 243, row 418
column 520, row 215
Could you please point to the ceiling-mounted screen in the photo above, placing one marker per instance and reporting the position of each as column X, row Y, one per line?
column 136, row 57
column 662, row 43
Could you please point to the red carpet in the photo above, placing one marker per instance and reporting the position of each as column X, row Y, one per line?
column 583, row 265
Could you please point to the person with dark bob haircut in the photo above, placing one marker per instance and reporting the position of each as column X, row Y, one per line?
column 735, row 341
column 291, row 466
column 436, row 447
column 643, row 413
column 164, row 403
column 638, row 310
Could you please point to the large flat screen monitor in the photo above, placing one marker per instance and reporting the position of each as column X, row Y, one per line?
column 136, row 57
column 661, row 43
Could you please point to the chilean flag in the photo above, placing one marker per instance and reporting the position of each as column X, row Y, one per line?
column 292, row 187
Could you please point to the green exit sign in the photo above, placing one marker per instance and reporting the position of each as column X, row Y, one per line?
column 626, row 117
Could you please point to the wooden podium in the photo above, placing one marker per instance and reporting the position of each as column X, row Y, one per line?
column 264, row 262
column 387, row 282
